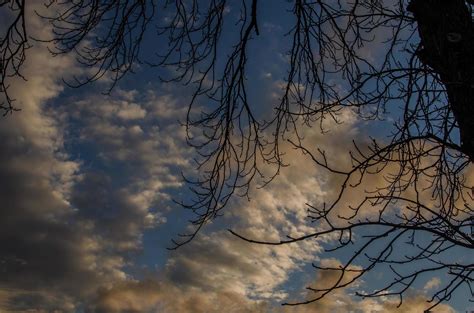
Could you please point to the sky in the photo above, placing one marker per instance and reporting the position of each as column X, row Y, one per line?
column 88, row 183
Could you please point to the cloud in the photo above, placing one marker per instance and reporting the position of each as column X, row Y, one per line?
column 130, row 111
column 88, row 177
column 218, row 261
column 164, row 295
column 221, row 262
column 68, row 227
column 340, row 300
column 152, row 296
column 148, row 157
column 91, row 218
column 43, row 250
column 434, row 282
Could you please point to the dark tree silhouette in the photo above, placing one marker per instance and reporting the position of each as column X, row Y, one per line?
column 13, row 43
column 424, row 66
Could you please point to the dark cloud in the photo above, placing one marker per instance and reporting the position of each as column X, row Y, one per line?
column 52, row 255
column 69, row 226
column 46, row 254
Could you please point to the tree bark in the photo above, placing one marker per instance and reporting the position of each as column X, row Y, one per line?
column 447, row 45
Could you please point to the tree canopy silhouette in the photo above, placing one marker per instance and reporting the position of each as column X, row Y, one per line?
column 423, row 69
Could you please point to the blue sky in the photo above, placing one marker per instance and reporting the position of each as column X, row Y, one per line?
column 88, row 199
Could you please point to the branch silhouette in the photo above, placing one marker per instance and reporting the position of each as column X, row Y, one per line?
column 421, row 63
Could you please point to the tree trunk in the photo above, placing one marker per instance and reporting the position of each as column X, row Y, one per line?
column 447, row 45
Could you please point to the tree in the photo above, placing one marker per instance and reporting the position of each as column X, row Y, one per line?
column 424, row 65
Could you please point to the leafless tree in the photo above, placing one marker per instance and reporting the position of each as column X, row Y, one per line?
column 424, row 66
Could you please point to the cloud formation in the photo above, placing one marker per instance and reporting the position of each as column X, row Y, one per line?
column 150, row 296
column 42, row 249
column 165, row 296
column 68, row 227
column 88, row 176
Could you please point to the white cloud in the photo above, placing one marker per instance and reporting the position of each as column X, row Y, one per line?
column 432, row 283
column 216, row 260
